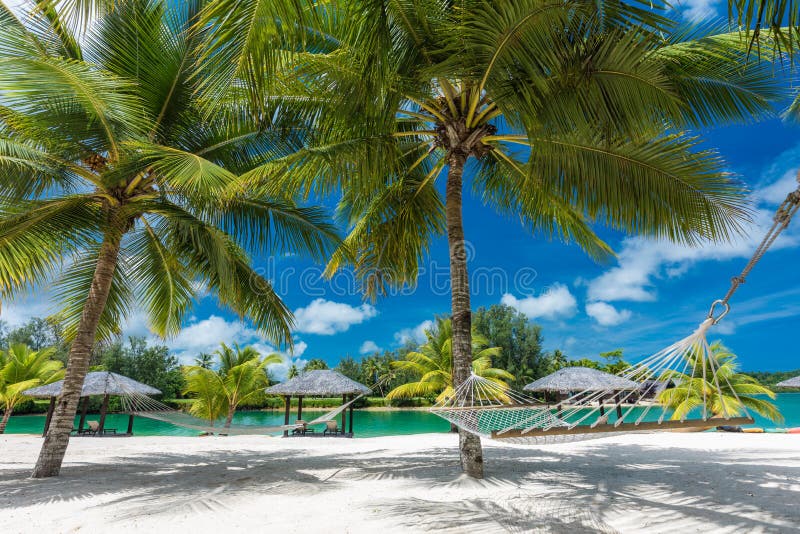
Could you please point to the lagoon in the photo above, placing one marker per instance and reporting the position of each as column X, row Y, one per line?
column 366, row 423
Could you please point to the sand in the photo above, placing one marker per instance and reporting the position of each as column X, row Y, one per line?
column 665, row 482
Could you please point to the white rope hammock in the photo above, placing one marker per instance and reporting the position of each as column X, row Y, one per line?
column 487, row 409
column 141, row 405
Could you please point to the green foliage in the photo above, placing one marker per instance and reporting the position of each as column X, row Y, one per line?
column 520, row 342
column 38, row 333
column 103, row 137
column 316, row 364
column 204, row 360
column 720, row 386
column 241, row 379
column 769, row 379
column 21, row 369
column 151, row 365
column 293, row 371
column 433, row 365
column 615, row 362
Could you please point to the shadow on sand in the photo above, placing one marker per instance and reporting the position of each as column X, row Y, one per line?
column 526, row 490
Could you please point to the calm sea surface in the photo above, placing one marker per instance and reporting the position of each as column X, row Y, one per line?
column 365, row 423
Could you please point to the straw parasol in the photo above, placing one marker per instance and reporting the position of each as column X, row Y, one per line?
column 580, row 379
column 96, row 383
column 791, row 383
column 570, row 379
column 318, row 383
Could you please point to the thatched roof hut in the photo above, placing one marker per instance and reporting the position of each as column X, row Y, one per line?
column 791, row 383
column 580, row 379
column 319, row 383
column 97, row 383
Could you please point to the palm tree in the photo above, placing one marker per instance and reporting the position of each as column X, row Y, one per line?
column 293, row 371
column 21, row 369
column 559, row 114
column 724, row 390
column 433, row 365
column 205, row 360
column 113, row 180
column 242, row 375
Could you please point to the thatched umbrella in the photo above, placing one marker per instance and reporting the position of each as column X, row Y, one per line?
column 318, row 383
column 791, row 383
column 96, row 383
column 571, row 379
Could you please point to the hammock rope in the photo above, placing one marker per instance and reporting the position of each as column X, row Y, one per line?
column 491, row 410
column 142, row 405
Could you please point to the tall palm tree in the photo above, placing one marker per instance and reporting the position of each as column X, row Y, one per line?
column 20, row 369
column 720, row 387
column 113, row 181
column 241, row 376
column 205, row 360
column 561, row 115
column 433, row 365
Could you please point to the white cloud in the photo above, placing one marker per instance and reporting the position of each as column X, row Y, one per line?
column 699, row 10
column 22, row 309
column 606, row 315
column 641, row 261
column 556, row 302
column 326, row 318
column 416, row 334
column 368, row 347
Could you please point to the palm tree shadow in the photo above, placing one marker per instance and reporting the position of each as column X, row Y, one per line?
column 588, row 489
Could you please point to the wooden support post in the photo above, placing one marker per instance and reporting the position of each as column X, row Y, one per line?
column 602, row 408
column 50, row 410
column 288, row 404
column 619, row 406
column 300, row 407
column 130, row 425
column 84, row 408
column 351, row 416
column 103, row 410
column 344, row 415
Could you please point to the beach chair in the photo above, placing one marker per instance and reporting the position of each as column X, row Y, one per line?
column 94, row 429
column 303, row 429
column 331, row 428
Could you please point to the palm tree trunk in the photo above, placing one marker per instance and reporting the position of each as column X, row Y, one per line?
column 469, row 444
column 229, row 419
column 6, row 416
column 55, row 443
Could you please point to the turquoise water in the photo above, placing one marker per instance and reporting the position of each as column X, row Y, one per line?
column 365, row 423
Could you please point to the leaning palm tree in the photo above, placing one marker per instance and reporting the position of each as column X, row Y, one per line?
column 561, row 115
column 21, row 369
column 433, row 365
column 720, row 387
column 113, row 176
column 240, row 378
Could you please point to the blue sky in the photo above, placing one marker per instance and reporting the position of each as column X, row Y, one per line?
column 652, row 295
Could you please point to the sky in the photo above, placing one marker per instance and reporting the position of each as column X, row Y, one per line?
column 651, row 295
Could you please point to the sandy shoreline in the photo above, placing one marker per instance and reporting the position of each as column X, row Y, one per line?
column 655, row 482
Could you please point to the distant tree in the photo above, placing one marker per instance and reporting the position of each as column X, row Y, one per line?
column 433, row 365
column 519, row 340
column 21, row 369
column 558, row 360
column 293, row 371
column 349, row 367
column 585, row 362
column 615, row 362
column 241, row 376
column 38, row 333
column 151, row 365
column 204, row 360
column 316, row 364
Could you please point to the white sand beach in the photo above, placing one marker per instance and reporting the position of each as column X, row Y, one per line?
column 666, row 482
